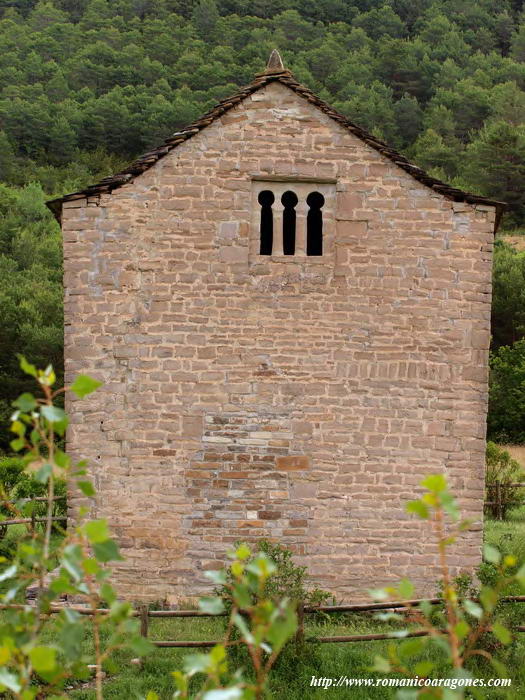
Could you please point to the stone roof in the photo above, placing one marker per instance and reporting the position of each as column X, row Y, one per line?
column 275, row 72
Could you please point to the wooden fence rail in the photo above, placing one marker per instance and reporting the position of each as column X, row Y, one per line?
column 494, row 491
column 144, row 614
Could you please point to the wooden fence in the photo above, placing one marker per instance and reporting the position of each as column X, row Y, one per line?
column 495, row 492
column 145, row 614
column 33, row 519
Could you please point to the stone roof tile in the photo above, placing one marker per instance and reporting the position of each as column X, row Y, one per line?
column 275, row 72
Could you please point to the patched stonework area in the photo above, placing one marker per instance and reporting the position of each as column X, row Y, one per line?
column 297, row 396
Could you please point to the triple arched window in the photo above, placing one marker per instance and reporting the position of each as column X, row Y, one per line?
column 279, row 222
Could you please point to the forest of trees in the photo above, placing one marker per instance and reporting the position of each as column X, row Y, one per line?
column 86, row 85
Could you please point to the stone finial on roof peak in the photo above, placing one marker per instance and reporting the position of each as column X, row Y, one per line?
column 275, row 63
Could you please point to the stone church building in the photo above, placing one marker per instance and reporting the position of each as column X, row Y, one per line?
column 292, row 325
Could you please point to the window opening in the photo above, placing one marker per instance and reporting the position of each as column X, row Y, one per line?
column 314, row 224
column 266, row 199
column 289, row 201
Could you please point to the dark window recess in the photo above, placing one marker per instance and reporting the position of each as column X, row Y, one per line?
column 314, row 224
column 266, row 199
column 289, row 201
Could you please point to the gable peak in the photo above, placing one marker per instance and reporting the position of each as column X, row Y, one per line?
column 275, row 65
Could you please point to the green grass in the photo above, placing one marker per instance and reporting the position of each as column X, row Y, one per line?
column 291, row 677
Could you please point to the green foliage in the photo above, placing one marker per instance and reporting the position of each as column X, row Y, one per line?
column 503, row 471
column 32, row 666
column 495, row 165
column 506, row 417
column 16, row 484
column 464, row 627
column 263, row 623
column 289, row 580
column 508, row 295
column 86, row 86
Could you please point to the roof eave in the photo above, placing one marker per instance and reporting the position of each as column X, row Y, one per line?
column 285, row 77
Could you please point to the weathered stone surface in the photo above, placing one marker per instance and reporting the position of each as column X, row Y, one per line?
column 298, row 400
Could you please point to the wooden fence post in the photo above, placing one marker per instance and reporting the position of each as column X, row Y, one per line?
column 499, row 506
column 144, row 620
column 299, row 635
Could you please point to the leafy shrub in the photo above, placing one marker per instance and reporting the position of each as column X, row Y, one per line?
column 465, row 627
column 289, row 580
column 505, row 471
column 31, row 665
column 262, row 624
column 16, row 484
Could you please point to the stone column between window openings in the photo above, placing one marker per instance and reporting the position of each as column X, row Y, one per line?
column 301, row 210
column 278, row 209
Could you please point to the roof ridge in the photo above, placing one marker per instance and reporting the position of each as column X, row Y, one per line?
column 285, row 77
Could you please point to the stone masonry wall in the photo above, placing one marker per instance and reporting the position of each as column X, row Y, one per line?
column 297, row 399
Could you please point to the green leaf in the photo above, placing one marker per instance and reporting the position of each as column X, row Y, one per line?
column 406, row 588
column 25, row 402
column 84, row 385
column 426, row 608
column 491, row 554
column 435, row 483
column 241, row 625
column 520, row 575
column 488, row 598
column 381, row 664
column 262, row 566
column 61, row 459
column 9, row 680
column 197, row 663
column 152, row 695
column 418, row 508
column 91, row 566
column 26, row 367
column 412, row 647
column 106, row 551
column 107, row 593
column 241, row 595
column 501, row 633
column 233, row 693
column 423, row 668
column 53, row 414
column 473, row 608
column 211, row 605
column 181, row 682
column 462, row 629
column 9, row 572
column 218, row 653
column 242, row 552
column 71, row 635
column 450, row 506
column 18, row 427
column 379, row 594
column 218, row 577
column 140, row 646
column 282, row 628
column 43, row 474
column 17, row 444
column 87, row 488
column 97, row 531
column 43, row 658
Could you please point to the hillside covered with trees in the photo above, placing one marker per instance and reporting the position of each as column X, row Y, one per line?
column 86, row 85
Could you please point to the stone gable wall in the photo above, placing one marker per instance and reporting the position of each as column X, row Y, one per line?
column 248, row 397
